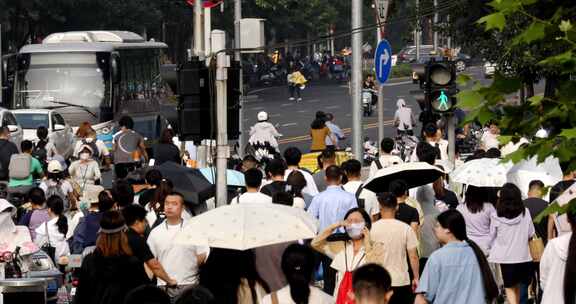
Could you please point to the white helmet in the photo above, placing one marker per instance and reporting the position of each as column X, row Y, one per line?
column 262, row 116
column 542, row 133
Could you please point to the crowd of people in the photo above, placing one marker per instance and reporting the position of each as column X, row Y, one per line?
column 428, row 244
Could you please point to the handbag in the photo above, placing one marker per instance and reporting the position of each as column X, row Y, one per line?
column 536, row 246
column 47, row 246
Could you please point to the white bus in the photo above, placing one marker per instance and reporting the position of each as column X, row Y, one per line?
column 94, row 76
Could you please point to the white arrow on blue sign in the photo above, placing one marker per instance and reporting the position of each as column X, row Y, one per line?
column 383, row 61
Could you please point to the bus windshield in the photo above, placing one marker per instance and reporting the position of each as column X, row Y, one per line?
column 55, row 80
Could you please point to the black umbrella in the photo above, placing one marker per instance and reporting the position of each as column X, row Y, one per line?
column 414, row 174
column 190, row 182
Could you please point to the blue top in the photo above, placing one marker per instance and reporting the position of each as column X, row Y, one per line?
column 452, row 275
column 330, row 206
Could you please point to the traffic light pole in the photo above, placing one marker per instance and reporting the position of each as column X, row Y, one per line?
column 451, row 137
column 198, row 29
column 357, row 79
column 222, row 148
column 237, row 57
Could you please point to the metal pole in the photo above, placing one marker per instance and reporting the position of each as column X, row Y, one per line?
column 222, row 149
column 417, row 32
column 1, row 69
column 238, row 57
column 357, row 79
column 198, row 29
column 207, row 32
column 449, row 42
column 435, row 42
column 451, row 138
column 380, row 94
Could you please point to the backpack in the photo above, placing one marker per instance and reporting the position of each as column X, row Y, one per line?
column 40, row 152
column 56, row 189
column 94, row 147
column 20, row 165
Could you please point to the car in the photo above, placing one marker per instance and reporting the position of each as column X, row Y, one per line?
column 16, row 131
column 31, row 119
column 408, row 55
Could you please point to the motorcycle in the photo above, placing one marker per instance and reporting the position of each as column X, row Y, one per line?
column 276, row 74
column 404, row 146
column 370, row 152
column 367, row 102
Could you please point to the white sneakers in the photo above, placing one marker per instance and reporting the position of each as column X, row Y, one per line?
column 291, row 98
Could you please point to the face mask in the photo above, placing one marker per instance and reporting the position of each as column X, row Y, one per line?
column 354, row 230
column 89, row 139
column 84, row 156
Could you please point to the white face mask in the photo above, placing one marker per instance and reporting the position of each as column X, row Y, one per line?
column 84, row 156
column 89, row 139
column 354, row 230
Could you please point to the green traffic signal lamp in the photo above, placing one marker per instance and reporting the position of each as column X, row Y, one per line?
column 441, row 74
column 441, row 101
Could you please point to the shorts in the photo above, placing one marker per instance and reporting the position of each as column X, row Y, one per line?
column 514, row 274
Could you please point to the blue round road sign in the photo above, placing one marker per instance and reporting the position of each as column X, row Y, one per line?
column 383, row 61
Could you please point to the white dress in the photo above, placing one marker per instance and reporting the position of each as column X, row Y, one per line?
column 317, row 296
column 552, row 267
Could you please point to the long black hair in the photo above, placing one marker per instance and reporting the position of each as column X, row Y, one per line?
column 454, row 221
column 475, row 198
column 298, row 267
column 56, row 205
column 364, row 214
column 510, row 204
column 570, row 270
column 223, row 272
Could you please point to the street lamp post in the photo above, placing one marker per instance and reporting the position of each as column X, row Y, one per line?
column 357, row 79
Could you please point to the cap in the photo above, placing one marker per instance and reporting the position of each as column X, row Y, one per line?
column 88, row 148
column 54, row 166
column 262, row 116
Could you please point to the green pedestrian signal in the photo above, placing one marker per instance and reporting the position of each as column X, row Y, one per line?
column 443, row 99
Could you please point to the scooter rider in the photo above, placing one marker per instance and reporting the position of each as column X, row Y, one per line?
column 263, row 137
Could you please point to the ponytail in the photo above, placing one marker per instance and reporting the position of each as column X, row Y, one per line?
column 490, row 287
column 298, row 267
column 62, row 224
column 570, row 270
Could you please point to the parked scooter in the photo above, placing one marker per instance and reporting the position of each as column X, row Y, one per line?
column 367, row 102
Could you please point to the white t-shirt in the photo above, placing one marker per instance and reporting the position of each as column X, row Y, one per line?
column 489, row 140
column 299, row 203
column 386, row 160
column 310, row 184
column 403, row 117
column 251, row 197
column 393, row 237
column 371, row 204
column 317, row 296
column 179, row 261
column 102, row 149
column 151, row 215
column 85, row 173
column 57, row 239
column 65, row 186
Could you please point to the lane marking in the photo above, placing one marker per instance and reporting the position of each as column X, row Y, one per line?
column 397, row 83
column 312, row 100
column 274, row 115
column 333, row 107
column 289, row 124
column 302, row 111
column 286, row 104
column 257, row 108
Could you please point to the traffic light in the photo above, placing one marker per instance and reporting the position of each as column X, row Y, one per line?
column 440, row 86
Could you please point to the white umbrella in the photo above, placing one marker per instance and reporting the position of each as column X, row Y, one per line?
column 414, row 174
column 247, row 226
column 484, row 172
column 521, row 174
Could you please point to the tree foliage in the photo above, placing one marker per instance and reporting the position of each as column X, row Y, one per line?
column 544, row 32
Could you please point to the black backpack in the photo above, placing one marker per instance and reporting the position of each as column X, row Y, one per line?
column 359, row 200
column 40, row 153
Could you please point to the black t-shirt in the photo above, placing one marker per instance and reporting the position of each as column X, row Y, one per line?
column 407, row 214
column 7, row 148
column 273, row 188
column 449, row 198
column 146, row 197
column 139, row 247
column 166, row 152
column 535, row 206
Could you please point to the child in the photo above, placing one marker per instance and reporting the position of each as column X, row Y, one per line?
column 372, row 285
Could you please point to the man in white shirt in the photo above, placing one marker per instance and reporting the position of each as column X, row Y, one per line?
column 434, row 138
column 181, row 262
column 292, row 155
column 352, row 169
column 253, row 180
column 386, row 159
column 490, row 137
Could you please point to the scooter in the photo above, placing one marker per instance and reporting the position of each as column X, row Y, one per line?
column 370, row 152
column 367, row 107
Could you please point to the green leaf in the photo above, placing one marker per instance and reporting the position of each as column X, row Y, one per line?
column 484, row 115
column 558, row 59
column 568, row 133
column 504, row 139
column 469, row 99
column 493, row 21
column 555, row 208
column 463, row 79
column 516, row 156
column 507, row 6
column 536, row 31
column 565, row 26
column 536, row 100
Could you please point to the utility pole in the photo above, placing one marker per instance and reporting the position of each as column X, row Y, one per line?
column 451, row 138
column 381, row 16
column 1, row 70
column 357, row 79
column 417, row 32
column 238, row 57
column 222, row 149
column 435, row 40
column 449, row 42
column 198, row 30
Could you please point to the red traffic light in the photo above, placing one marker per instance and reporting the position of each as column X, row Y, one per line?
column 207, row 3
